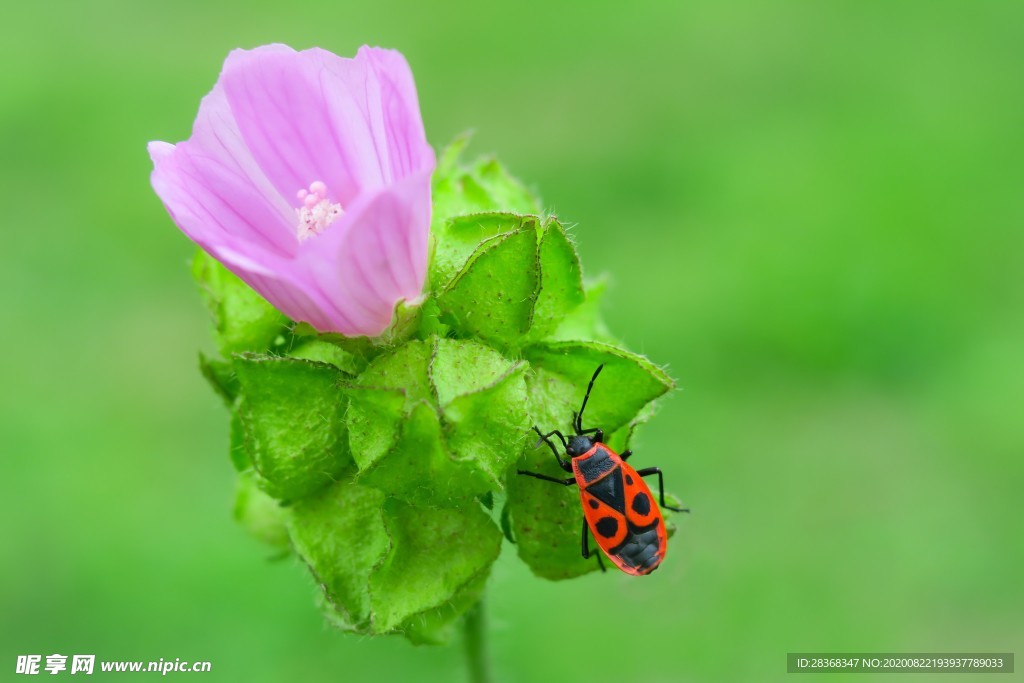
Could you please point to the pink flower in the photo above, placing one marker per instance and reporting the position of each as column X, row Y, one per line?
column 308, row 176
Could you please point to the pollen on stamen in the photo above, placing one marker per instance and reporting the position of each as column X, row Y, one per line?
column 316, row 212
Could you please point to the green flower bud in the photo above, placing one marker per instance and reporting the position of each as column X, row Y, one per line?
column 388, row 464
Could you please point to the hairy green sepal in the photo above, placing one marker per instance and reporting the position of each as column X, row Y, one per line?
column 439, row 421
column 292, row 414
column 386, row 566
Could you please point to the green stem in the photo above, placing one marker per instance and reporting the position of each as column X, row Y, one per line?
column 475, row 642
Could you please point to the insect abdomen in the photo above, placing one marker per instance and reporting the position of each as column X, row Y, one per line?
column 642, row 549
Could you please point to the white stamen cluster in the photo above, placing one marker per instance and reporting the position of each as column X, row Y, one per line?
column 316, row 212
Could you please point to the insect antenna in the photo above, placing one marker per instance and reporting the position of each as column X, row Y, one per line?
column 579, row 416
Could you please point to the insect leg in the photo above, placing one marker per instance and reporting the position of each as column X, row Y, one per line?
column 545, row 438
column 647, row 471
column 625, row 455
column 586, row 547
column 536, row 475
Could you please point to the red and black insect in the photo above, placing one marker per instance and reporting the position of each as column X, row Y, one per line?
column 617, row 505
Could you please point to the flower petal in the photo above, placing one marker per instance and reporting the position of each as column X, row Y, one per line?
column 214, row 189
column 220, row 231
column 395, row 119
column 312, row 115
column 289, row 291
column 374, row 256
column 276, row 121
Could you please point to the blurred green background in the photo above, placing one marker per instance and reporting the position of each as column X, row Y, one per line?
column 810, row 211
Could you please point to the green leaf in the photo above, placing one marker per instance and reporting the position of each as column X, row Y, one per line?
column 405, row 369
column 362, row 349
column 221, row 376
column 506, row 522
column 292, row 418
column 503, row 276
column 437, row 553
column 620, row 439
column 546, row 517
column 243, row 320
column 493, row 296
column 389, row 567
column 439, row 421
column 448, row 159
column 326, row 352
column 460, row 367
column 341, row 536
column 259, row 514
column 561, row 281
column 585, row 323
column 504, row 192
column 437, row 626
column 471, row 203
column 488, row 427
column 460, row 236
column 481, row 395
column 562, row 370
column 236, row 445
column 374, row 423
column 430, row 319
column 420, row 469
column 482, row 186
column 381, row 398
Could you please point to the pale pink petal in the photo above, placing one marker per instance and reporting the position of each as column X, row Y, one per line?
column 288, row 115
column 225, row 163
column 377, row 87
column 276, row 122
column 377, row 256
column 214, row 210
column 291, row 293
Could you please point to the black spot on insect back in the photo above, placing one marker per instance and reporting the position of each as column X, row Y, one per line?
column 641, row 504
column 607, row 526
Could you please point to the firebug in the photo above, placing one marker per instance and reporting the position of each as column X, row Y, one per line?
column 618, row 508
